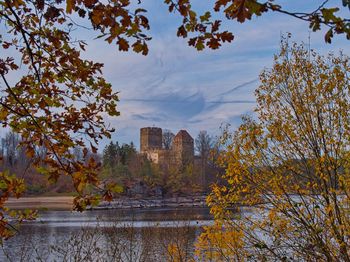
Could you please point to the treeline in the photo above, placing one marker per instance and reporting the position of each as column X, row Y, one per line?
column 137, row 175
column 121, row 163
column 16, row 162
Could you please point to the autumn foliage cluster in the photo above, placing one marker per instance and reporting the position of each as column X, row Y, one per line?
column 289, row 168
column 58, row 101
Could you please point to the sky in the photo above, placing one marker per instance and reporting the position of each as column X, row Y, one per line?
column 176, row 87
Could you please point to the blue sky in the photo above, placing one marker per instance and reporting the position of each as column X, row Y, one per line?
column 176, row 87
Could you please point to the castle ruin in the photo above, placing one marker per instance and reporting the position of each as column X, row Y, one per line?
column 180, row 154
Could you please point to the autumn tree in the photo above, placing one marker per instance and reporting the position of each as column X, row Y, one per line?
column 290, row 166
column 56, row 103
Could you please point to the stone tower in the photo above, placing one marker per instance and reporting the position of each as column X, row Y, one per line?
column 150, row 139
column 183, row 148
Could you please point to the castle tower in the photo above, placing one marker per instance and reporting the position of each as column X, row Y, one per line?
column 150, row 139
column 183, row 148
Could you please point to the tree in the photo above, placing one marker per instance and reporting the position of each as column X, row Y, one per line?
column 57, row 102
column 167, row 139
column 291, row 165
column 10, row 152
column 126, row 153
column 59, row 98
column 110, row 158
column 203, row 146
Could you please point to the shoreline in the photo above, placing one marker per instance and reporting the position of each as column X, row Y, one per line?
column 152, row 202
column 65, row 203
column 41, row 203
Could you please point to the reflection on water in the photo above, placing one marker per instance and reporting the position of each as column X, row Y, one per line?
column 109, row 235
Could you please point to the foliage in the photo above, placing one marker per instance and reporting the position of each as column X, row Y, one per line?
column 16, row 161
column 182, row 180
column 115, row 157
column 215, row 244
column 124, row 166
column 116, row 166
column 205, row 32
column 58, row 99
column 58, row 91
column 291, row 165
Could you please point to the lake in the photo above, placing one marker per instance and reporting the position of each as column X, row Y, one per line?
column 107, row 235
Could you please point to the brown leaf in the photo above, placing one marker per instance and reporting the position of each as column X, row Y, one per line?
column 123, row 44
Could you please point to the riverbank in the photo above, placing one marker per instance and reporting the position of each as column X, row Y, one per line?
column 41, row 203
column 66, row 202
column 173, row 202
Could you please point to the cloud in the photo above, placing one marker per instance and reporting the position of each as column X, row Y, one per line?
column 157, row 119
column 178, row 87
column 240, row 86
column 175, row 105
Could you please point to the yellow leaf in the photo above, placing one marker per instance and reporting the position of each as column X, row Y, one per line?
column 70, row 6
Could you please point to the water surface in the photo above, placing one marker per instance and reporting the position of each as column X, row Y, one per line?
column 132, row 230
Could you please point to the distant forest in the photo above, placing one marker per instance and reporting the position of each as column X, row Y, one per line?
column 133, row 173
